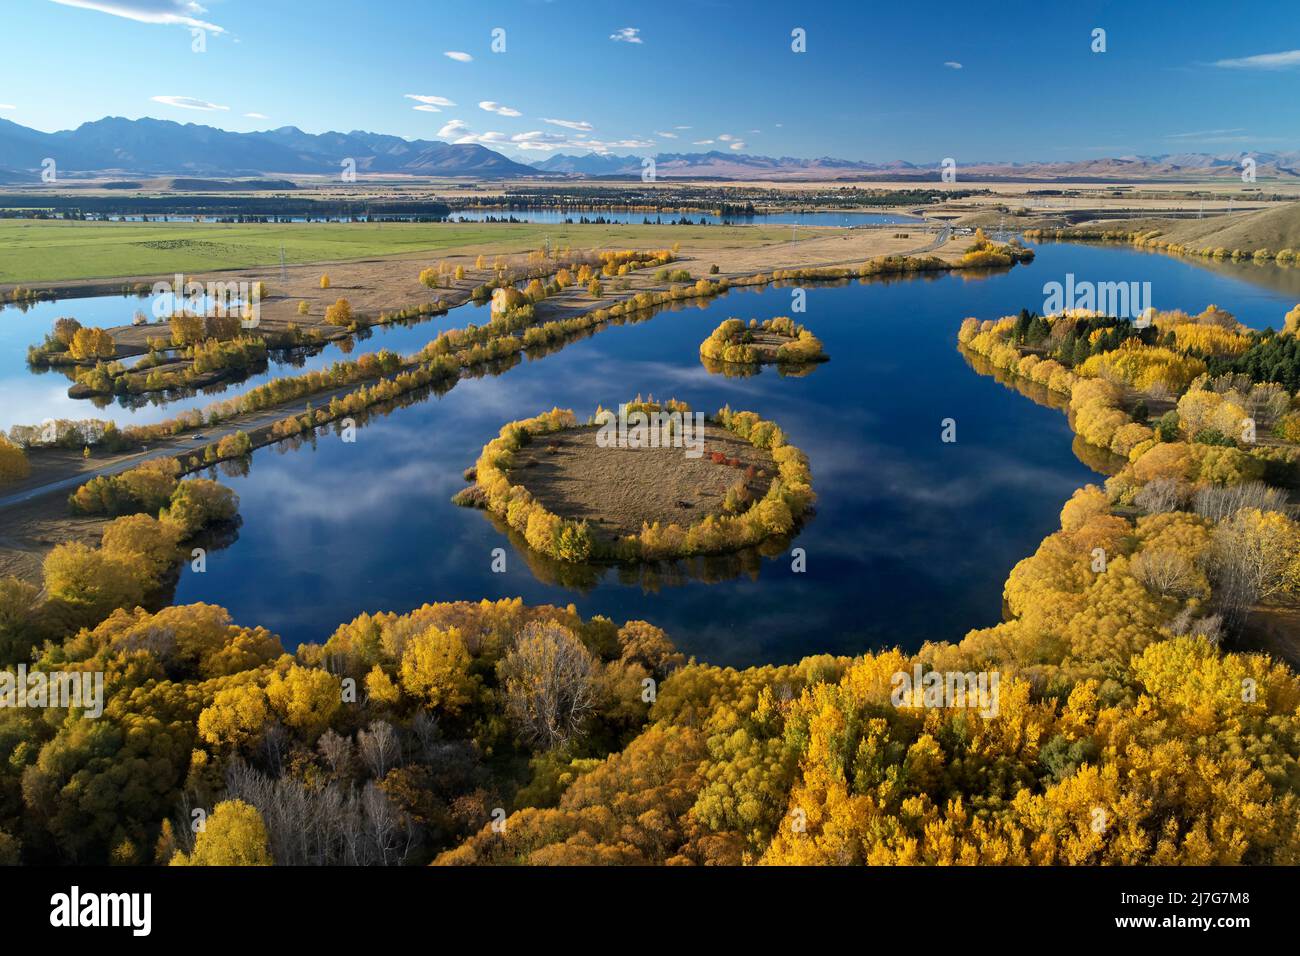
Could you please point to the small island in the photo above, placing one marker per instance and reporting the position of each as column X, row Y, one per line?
column 734, row 346
column 649, row 481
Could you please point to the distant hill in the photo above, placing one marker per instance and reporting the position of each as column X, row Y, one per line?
column 144, row 148
column 10, row 177
column 183, row 185
column 1273, row 229
column 161, row 147
column 744, row 166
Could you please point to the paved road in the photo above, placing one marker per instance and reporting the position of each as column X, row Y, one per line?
column 178, row 445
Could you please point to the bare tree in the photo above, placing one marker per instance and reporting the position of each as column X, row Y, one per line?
column 1162, row 494
column 337, row 751
column 1217, row 502
column 1168, row 572
column 329, row 825
column 1249, row 560
column 378, row 746
column 424, row 726
column 549, row 677
column 1209, row 626
column 275, row 742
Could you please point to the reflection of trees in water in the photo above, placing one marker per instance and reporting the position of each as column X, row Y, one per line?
column 1283, row 278
column 212, row 538
column 652, row 576
column 1101, row 460
column 750, row 369
column 729, row 369
column 1036, row 393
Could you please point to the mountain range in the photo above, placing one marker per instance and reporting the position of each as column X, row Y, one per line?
column 742, row 166
column 159, row 147
column 152, row 147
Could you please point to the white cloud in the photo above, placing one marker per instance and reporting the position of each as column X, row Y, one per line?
column 458, row 56
column 460, row 133
column 603, row 145
column 429, row 100
column 452, row 128
column 497, row 108
column 627, row 35
column 1235, row 134
column 1202, row 133
column 537, row 136
column 7, row 106
column 580, row 125
column 702, row 142
column 1263, row 61
column 665, row 135
column 539, row 141
column 738, row 144
column 426, row 108
column 256, row 116
column 726, row 138
column 952, row 64
column 187, row 103
column 681, row 127
column 166, row 12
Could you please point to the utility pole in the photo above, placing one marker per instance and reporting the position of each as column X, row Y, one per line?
column 284, row 273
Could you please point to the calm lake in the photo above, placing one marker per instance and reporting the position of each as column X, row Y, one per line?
column 912, row 540
column 29, row 396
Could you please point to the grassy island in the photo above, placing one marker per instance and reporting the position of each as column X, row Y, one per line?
column 776, row 341
column 650, row 481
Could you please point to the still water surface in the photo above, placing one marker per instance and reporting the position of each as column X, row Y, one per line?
column 912, row 540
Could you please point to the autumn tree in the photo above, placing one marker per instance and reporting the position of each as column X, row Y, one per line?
column 13, row 461
column 65, row 328
column 233, row 835
column 93, row 578
column 200, row 502
column 236, row 716
column 305, row 698
column 186, row 328
column 435, row 669
column 89, row 343
column 18, row 631
column 340, row 313
column 149, row 543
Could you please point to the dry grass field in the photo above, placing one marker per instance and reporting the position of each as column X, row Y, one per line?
column 616, row 490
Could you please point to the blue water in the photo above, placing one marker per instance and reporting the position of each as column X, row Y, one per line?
column 29, row 396
column 912, row 540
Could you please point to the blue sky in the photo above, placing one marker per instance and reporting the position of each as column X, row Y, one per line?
column 916, row 81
